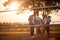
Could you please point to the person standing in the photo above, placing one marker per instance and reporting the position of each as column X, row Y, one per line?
column 47, row 22
column 32, row 23
column 38, row 23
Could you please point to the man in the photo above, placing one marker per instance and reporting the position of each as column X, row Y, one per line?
column 32, row 23
column 38, row 23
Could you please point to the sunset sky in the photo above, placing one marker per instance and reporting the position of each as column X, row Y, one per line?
column 12, row 16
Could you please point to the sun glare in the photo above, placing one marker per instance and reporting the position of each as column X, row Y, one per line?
column 13, row 6
column 3, row 1
column 22, row 17
column 12, row 16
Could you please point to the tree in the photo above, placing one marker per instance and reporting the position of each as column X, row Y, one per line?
column 37, row 5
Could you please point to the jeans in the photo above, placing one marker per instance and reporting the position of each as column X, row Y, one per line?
column 31, row 31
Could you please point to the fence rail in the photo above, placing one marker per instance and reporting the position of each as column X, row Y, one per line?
column 29, row 25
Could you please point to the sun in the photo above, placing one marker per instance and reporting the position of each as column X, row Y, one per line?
column 12, row 17
column 13, row 6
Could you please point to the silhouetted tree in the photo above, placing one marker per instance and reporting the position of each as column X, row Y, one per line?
column 36, row 4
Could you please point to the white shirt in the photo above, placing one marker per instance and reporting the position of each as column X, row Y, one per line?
column 38, row 18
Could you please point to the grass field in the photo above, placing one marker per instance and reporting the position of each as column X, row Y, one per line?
column 23, row 33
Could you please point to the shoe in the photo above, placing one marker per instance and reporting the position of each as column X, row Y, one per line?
column 32, row 36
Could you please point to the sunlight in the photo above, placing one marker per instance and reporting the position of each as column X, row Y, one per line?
column 13, row 6
column 3, row 1
column 12, row 17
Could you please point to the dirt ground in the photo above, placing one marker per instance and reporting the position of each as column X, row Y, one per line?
column 26, row 36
